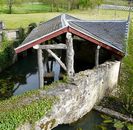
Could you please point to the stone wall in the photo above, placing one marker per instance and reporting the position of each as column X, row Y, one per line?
column 11, row 35
column 77, row 98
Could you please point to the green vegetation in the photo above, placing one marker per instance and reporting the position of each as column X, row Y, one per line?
column 55, row 84
column 124, row 97
column 114, row 122
column 25, row 108
column 6, row 53
column 126, row 78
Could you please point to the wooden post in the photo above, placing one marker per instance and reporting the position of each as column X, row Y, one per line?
column 97, row 56
column 70, row 55
column 40, row 67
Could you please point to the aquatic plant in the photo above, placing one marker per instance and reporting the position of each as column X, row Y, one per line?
column 119, row 125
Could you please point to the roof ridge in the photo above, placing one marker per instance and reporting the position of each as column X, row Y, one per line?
column 97, row 21
column 64, row 20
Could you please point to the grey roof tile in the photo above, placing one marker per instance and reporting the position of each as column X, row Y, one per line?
column 111, row 32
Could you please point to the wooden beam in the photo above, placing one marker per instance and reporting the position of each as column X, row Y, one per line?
column 70, row 55
column 54, row 46
column 97, row 56
column 40, row 67
column 57, row 58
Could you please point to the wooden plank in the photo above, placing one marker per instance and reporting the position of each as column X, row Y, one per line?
column 54, row 46
column 70, row 55
column 57, row 58
column 40, row 67
column 97, row 56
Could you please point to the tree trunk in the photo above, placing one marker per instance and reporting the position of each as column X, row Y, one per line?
column 69, row 4
column 10, row 6
column 70, row 55
column 40, row 67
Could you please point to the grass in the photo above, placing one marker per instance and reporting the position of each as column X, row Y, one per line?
column 116, row 2
column 13, row 21
column 26, row 8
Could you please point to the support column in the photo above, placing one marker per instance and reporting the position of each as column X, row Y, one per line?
column 70, row 55
column 97, row 56
column 40, row 68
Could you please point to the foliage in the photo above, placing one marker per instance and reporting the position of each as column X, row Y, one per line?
column 6, row 88
column 31, row 27
column 6, row 53
column 25, row 108
column 126, row 79
column 116, row 123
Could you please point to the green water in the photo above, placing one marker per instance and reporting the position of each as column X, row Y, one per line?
column 91, row 121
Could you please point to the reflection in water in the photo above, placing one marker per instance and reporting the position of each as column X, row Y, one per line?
column 22, row 76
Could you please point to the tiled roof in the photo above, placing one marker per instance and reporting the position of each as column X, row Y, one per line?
column 112, row 33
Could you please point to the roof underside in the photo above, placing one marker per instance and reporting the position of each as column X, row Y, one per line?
column 110, row 33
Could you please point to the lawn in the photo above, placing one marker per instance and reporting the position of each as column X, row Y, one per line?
column 13, row 21
column 26, row 8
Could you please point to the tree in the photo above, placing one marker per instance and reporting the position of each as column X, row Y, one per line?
column 10, row 4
